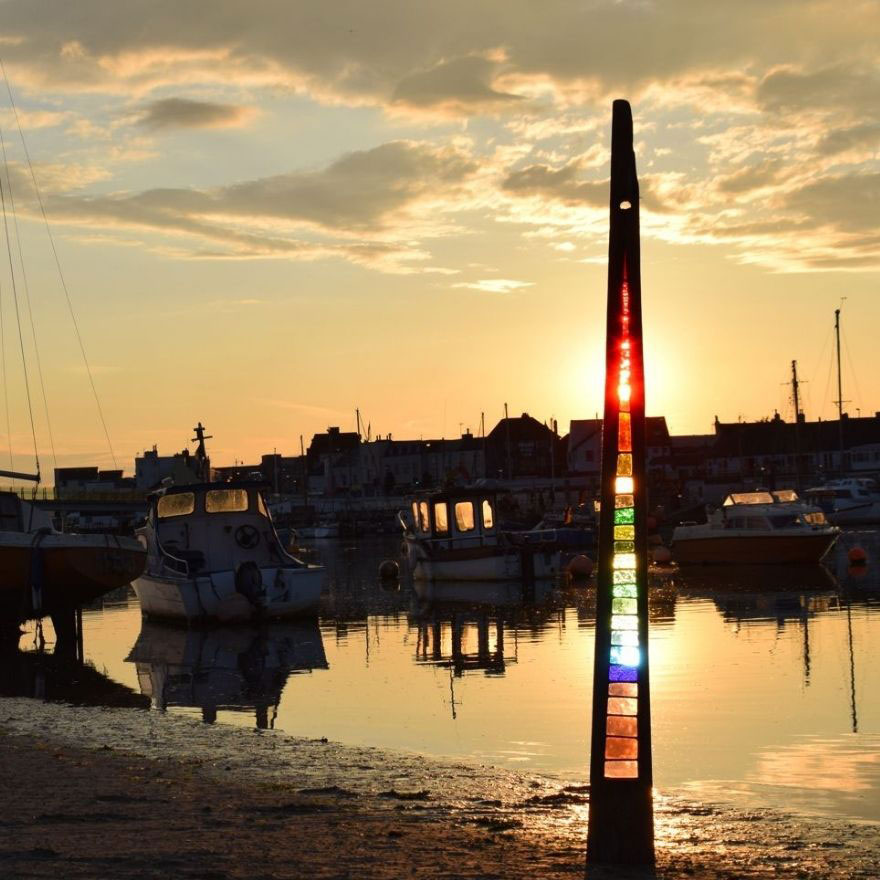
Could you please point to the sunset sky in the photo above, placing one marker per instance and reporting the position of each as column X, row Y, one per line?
column 271, row 213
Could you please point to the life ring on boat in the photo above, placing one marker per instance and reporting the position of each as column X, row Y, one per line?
column 247, row 536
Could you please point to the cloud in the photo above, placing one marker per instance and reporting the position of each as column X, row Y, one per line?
column 461, row 85
column 751, row 177
column 557, row 183
column 367, row 207
column 495, row 285
column 170, row 113
column 864, row 137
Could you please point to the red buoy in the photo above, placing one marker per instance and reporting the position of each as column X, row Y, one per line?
column 857, row 556
column 661, row 555
column 580, row 566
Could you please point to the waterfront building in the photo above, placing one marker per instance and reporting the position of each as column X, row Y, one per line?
column 150, row 469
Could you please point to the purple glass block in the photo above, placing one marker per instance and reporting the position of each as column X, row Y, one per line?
column 623, row 673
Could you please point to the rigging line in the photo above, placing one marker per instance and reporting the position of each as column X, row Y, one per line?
column 827, row 383
column 27, row 296
column 852, row 368
column 58, row 262
column 27, row 383
column 5, row 393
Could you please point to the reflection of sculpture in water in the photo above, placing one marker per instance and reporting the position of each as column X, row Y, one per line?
column 242, row 669
column 489, row 653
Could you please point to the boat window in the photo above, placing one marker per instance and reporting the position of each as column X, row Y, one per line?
column 261, row 506
column 815, row 519
column 441, row 518
column 464, row 516
column 178, row 504
column 415, row 513
column 424, row 524
column 488, row 514
column 785, row 495
column 226, row 500
column 748, row 498
column 783, row 521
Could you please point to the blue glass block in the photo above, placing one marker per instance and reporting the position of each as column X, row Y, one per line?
column 624, row 576
column 625, row 655
column 624, row 606
column 625, row 637
column 625, row 516
column 623, row 673
column 625, row 591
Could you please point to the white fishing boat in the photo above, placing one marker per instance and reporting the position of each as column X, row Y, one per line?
column 454, row 535
column 213, row 554
column 756, row 528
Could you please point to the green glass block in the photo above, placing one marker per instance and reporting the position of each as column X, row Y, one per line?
column 624, row 547
column 625, row 516
column 625, row 591
column 624, row 621
column 624, row 606
column 624, row 533
column 624, row 576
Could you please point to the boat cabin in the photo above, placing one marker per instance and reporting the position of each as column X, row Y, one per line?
column 768, row 510
column 455, row 514
column 214, row 527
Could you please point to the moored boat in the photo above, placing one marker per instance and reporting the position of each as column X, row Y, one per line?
column 454, row 535
column 756, row 528
column 214, row 554
column 44, row 572
column 847, row 501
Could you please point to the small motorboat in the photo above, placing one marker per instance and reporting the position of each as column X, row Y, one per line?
column 213, row 554
column 454, row 535
column 47, row 572
column 847, row 501
column 761, row 528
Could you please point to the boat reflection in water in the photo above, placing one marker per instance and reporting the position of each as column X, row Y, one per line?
column 61, row 677
column 461, row 626
column 241, row 669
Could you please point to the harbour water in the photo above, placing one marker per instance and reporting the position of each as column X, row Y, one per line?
column 765, row 681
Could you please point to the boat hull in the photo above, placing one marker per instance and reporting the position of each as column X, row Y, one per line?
column 752, row 550
column 45, row 574
column 487, row 563
column 285, row 592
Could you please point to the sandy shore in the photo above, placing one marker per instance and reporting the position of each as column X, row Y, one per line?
column 124, row 793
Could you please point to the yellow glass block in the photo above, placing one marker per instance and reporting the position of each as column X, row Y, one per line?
column 624, row 533
column 624, row 485
column 625, row 464
column 623, row 393
column 624, row 560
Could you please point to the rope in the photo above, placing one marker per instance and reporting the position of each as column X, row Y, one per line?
column 27, row 295
column 5, row 394
column 27, row 384
column 58, row 263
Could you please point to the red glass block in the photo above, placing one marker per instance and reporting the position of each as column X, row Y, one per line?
column 621, row 769
column 624, row 433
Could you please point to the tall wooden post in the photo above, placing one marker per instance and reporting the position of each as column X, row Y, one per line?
column 621, row 825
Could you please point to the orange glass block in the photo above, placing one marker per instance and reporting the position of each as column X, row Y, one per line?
column 624, row 485
column 621, row 725
column 625, row 464
column 621, row 769
column 623, row 689
column 621, row 747
column 622, row 706
column 624, row 501
column 623, row 393
column 624, row 433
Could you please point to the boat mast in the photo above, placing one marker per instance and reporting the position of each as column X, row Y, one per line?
column 839, row 389
column 795, row 388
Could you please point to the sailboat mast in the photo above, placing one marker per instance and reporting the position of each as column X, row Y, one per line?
column 839, row 389
column 795, row 388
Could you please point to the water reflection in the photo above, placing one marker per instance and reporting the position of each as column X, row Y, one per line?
column 60, row 676
column 242, row 669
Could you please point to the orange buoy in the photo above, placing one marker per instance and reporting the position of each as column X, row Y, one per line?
column 580, row 566
column 857, row 556
column 661, row 555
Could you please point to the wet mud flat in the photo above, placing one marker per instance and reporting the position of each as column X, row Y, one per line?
column 124, row 793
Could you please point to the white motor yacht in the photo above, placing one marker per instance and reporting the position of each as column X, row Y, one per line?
column 756, row 528
column 849, row 501
column 213, row 554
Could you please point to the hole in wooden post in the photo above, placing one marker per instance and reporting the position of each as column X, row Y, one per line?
column 625, row 205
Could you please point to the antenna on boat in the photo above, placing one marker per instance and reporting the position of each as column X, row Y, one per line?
column 201, row 452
